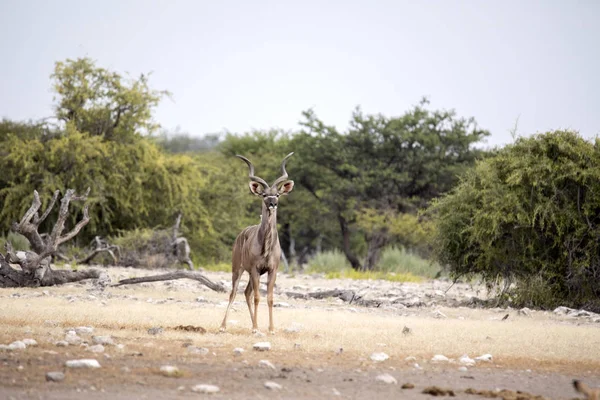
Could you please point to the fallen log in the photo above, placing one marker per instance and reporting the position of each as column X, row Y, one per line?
column 217, row 287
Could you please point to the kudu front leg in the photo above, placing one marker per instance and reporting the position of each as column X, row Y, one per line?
column 270, row 286
column 255, row 278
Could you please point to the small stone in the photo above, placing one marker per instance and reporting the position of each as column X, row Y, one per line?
column 238, row 351
column 30, row 342
column 282, row 304
column 203, row 388
column 439, row 358
column 273, row 385
column 439, row 315
column 157, row 330
column 103, row 340
column 97, row 348
column 386, row 378
column 259, row 334
column 485, row 357
column 17, row 345
column 410, row 358
column 526, row 312
column 378, row 357
column 266, row 364
column 463, row 369
column 262, row 346
column 62, row 343
column 200, row 299
column 336, row 392
column 198, row 350
column 84, row 363
column 55, row 376
column 84, row 330
column 170, row 371
column 72, row 338
column 407, row 386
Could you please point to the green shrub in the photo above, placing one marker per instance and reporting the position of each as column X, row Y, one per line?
column 328, row 261
column 19, row 242
column 399, row 260
column 529, row 215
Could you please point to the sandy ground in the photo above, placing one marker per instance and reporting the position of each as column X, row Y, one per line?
column 321, row 349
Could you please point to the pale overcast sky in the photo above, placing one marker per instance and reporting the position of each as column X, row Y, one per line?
column 239, row 65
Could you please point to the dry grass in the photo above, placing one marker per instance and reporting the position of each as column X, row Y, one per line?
column 539, row 342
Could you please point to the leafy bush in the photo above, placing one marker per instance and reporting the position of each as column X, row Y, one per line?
column 328, row 261
column 145, row 248
column 395, row 265
column 349, row 273
column 399, row 261
column 19, row 242
column 530, row 215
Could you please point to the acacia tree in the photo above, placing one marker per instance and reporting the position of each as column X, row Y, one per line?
column 100, row 143
column 386, row 165
column 530, row 215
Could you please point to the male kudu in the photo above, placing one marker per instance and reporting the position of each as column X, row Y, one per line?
column 256, row 249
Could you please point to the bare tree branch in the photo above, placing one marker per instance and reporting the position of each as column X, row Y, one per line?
column 172, row 276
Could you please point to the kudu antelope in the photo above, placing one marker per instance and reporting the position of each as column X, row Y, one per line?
column 256, row 249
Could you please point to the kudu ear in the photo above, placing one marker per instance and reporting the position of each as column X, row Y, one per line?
column 256, row 188
column 286, row 187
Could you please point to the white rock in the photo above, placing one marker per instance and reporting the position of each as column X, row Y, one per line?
column 484, row 357
column 379, row 357
column 238, row 351
column 466, row 360
column 410, row 358
column 463, row 369
column 84, row 330
column 439, row 358
column 266, row 364
column 262, row 346
column 169, row 370
column 204, row 388
column 30, row 342
column 97, row 348
column 439, row 315
column 563, row 310
column 282, row 304
column 104, row 340
column 56, row 376
column 83, row 363
column 386, row 378
column 72, row 338
column 3, row 347
column 17, row 345
column 273, row 385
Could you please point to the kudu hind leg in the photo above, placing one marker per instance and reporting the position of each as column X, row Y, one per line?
column 235, row 282
column 248, row 294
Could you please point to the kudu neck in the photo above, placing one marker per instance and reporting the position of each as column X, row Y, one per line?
column 268, row 223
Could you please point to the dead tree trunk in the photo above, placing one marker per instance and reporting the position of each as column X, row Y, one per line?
column 35, row 264
column 181, row 248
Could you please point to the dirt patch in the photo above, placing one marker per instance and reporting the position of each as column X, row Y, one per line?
column 322, row 348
